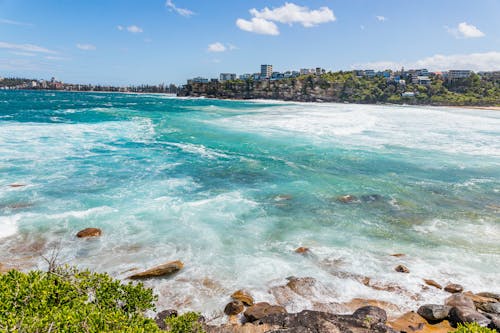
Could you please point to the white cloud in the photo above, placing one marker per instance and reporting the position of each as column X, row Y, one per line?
column 181, row 11
column 381, row 18
column 55, row 58
column 258, row 26
column 23, row 54
column 86, row 47
column 291, row 13
column 232, row 47
column 120, row 27
column 488, row 61
column 217, row 47
column 134, row 29
column 11, row 22
column 26, row 48
column 465, row 30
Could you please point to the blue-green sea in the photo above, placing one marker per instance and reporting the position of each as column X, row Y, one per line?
column 232, row 188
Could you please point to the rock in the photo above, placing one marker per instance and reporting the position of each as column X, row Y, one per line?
column 16, row 185
column 398, row 255
column 89, row 232
column 166, row 269
column 371, row 314
column 467, row 315
column 490, row 295
column 234, row 307
column 261, row 310
column 402, row 269
column 433, row 283
column 495, row 321
column 371, row 197
column 459, row 300
column 357, row 303
column 454, row 288
column 282, row 197
column 161, row 316
column 479, row 299
column 301, row 286
column 302, row 250
column 434, row 313
column 347, row 199
column 243, row 296
column 412, row 322
column 489, row 307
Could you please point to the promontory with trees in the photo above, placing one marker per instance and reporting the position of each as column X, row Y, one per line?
column 472, row 89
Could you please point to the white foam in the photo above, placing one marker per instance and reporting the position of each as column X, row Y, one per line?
column 8, row 225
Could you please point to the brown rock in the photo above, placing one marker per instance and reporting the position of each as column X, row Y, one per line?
column 489, row 307
column 459, row 300
column 454, row 288
column 302, row 250
column 16, row 185
column 161, row 316
column 261, row 310
column 490, row 295
column 302, row 286
column 398, row 255
column 166, row 269
column 413, row 322
column 89, row 232
column 234, row 307
column 357, row 303
column 477, row 299
column 433, row 283
column 434, row 312
column 402, row 269
column 347, row 199
column 244, row 297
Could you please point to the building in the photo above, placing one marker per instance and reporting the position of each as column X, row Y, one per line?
column 199, row 80
column 227, row 77
column 307, row 71
column 245, row 76
column 458, row 74
column 408, row 94
column 319, row 71
column 423, row 80
column 266, row 71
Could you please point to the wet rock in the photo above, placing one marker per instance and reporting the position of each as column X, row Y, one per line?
column 261, row 310
column 161, row 316
column 454, row 288
column 413, row 322
column 433, row 283
column 434, row 313
column 357, row 303
column 89, row 232
column 166, row 269
column 371, row 197
column 246, row 328
column 347, row 199
column 489, row 295
column 398, row 255
column 371, row 314
column 282, row 197
column 243, row 296
column 16, row 185
column 477, row 299
column 489, row 307
column 467, row 315
column 495, row 321
column 459, row 300
column 302, row 250
column 234, row 307
column 402, row 269
column 302, row 286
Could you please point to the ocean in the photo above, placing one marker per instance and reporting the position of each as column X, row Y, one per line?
column 232, row 188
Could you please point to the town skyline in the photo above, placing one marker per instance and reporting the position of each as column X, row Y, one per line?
column 171, row 41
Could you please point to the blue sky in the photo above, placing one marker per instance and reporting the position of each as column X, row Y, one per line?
column 132, row 42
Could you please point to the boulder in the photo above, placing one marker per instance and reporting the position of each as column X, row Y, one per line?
column 371, row 314
column 166, row 269
column 401, row 269
column 161, row 316
column 302, row 286
column 16, row 185
column 89, row 232
column 495, row 321
column 243, row 296
column 489, row 307
column 454, row 288
column 234, row 307
column 459, row 300
column 434, row 313
column 302, row 250
column 490, row 295
column 467, row 315
column 433, row 283
column 477, row 299
column 261, row 310
column 347, row 199
column 414, row 323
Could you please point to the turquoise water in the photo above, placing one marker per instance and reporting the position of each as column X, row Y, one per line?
column 232, row 188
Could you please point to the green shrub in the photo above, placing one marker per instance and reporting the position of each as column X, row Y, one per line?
column 69, row 300
column 186, row 323
column 472, row 328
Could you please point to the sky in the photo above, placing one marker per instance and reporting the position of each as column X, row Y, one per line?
column 123, row 42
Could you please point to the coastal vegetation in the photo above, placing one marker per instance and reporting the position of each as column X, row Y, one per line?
column 346, row 87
